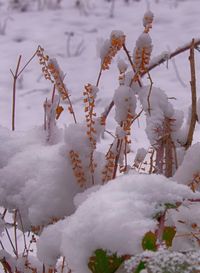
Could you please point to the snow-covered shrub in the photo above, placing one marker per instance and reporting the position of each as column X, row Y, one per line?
column 91, row 210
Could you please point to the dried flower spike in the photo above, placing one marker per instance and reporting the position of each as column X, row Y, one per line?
column 77, row 168
column 117, row 39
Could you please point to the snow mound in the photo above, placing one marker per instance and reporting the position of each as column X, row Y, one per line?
column 114, row 218
column 35, row 178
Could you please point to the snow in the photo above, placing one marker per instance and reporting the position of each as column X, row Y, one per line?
column 33, row 168
column 190, row 166
column 128, row 205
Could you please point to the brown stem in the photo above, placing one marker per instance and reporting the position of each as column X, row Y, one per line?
column 119, row 147
column 194, row 97
column 24, row 67
column 99, row 76
column 6, row 265
column 63, row 265
column 149, row 94
column 53, row 93
column 24, row 237
column 15, row 77
column 160, row 61
column 172, row 55
column 10, row 240
column 161, row 226
column 132, row 64
column 15, row 232
column 151, row 162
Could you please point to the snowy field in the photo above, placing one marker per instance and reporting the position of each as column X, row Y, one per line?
column 173, row 27
column 29, row 167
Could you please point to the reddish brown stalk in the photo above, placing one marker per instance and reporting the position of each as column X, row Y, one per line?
column 119, row 147
column 15, row 233
column 10, row 240
column 99, row 77
column 6, row 265
column 160, row 230
column 151, row 162
column 24, row 237
column 63, row 265
column 194, row 97
column 53, row 93
column 132, row 65
column 172, row 55
column 149, row 94
column 15, row 77
column 4, row 214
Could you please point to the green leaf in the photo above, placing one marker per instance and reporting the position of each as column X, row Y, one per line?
column 149, row 241
column 168, row 235
column 101, row 262
column 170, row 206
column 140, row 267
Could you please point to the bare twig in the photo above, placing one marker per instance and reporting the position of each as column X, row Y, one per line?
column 194, row 97
column 10, row 240
column 172, row 55
column 99, row 76
column 15, row 76
column 149, row 94
column 132, row 64
column 15, row 232
column 24, row 67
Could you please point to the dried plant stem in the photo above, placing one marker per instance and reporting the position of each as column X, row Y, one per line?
column 194, row 97
column 24, row 237
column 149, row 94
column 159, row 157
column 160, row 230
column 4, row 214
column 2, row 246
column 6, row 266
column 99, row 77
column 119, row 147
column 151, row 162
column 24, row 67
column 168, row 157
column 160, row 61
column 172, row 55
column 63, row 265
column 132, row 65
column 10, row 240
column 53, row 93
column 15, row 232
column 15, row 77
column 137, row 116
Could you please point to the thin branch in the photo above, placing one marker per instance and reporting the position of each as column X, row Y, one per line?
column 14, row 92
column 172, row 55
column 132, row 64
column 99, row 76
column 15, row 232
column 194, row 97
column 24, row 237
column 137, row 116
column 10, row 240
column 24, row 67
column 149, row 94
